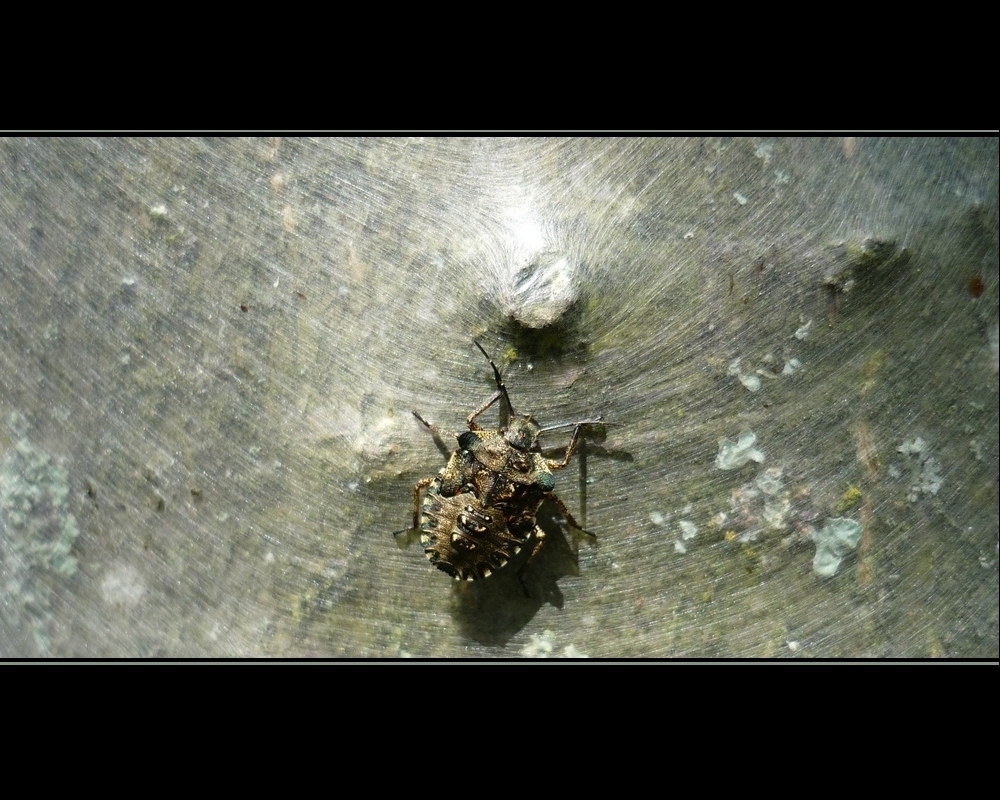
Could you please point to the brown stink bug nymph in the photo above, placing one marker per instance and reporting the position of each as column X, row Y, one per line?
column 480, row 510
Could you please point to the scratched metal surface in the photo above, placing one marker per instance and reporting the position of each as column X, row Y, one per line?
column 211, row 349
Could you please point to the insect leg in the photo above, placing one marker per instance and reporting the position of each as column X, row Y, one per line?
column 473, row 426
column 552, row 463
column 437, row 433
column 434, row 429
column 539, row 535
column 569, row 517
column 417, row 489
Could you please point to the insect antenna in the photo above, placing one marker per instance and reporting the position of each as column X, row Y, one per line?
column 501, row 386
column 596, row 421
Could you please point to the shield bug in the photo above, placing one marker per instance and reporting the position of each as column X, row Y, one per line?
column 480, row 510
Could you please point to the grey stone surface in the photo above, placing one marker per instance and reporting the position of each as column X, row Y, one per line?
column 218, row 343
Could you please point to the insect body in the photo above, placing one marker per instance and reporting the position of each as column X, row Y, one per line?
column 480, row 510
column 465, row 538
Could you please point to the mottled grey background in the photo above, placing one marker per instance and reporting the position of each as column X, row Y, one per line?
column 211, row 348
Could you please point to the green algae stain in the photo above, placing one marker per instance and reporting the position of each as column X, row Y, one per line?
column 37, row 533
